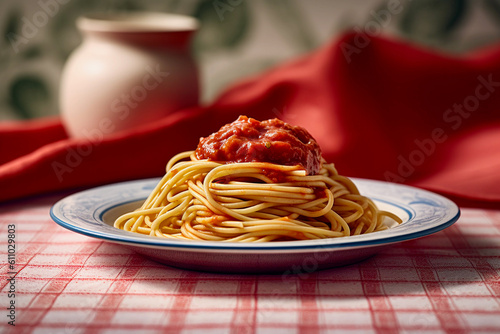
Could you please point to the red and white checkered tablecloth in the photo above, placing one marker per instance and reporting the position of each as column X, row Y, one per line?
column 68, row 283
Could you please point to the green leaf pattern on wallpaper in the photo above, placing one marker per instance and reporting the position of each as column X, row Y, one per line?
column 224, row 25
column 30, row 66
column 432, row 20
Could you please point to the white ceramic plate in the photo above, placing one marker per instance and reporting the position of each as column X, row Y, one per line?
column 92, row 213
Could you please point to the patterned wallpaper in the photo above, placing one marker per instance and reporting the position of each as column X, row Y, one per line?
column 237, row 38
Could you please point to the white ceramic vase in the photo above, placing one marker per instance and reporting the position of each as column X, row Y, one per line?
column 131, row 69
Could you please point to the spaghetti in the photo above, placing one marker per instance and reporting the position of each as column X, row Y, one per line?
column 253, row 202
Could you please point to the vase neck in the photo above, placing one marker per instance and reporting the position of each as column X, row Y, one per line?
column 178, row 40
column 152, row 30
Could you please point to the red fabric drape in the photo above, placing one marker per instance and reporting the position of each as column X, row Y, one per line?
column 384, row 110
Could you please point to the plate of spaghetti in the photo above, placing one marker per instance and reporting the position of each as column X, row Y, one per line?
column 255, row 197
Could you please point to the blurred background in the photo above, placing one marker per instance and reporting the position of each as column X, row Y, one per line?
column 237, row 38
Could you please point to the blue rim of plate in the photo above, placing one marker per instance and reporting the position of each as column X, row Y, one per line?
column 423, row 212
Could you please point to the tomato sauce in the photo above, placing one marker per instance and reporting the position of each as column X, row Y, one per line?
column 274, row 141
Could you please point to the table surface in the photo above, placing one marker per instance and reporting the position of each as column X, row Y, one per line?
column 64, row 282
